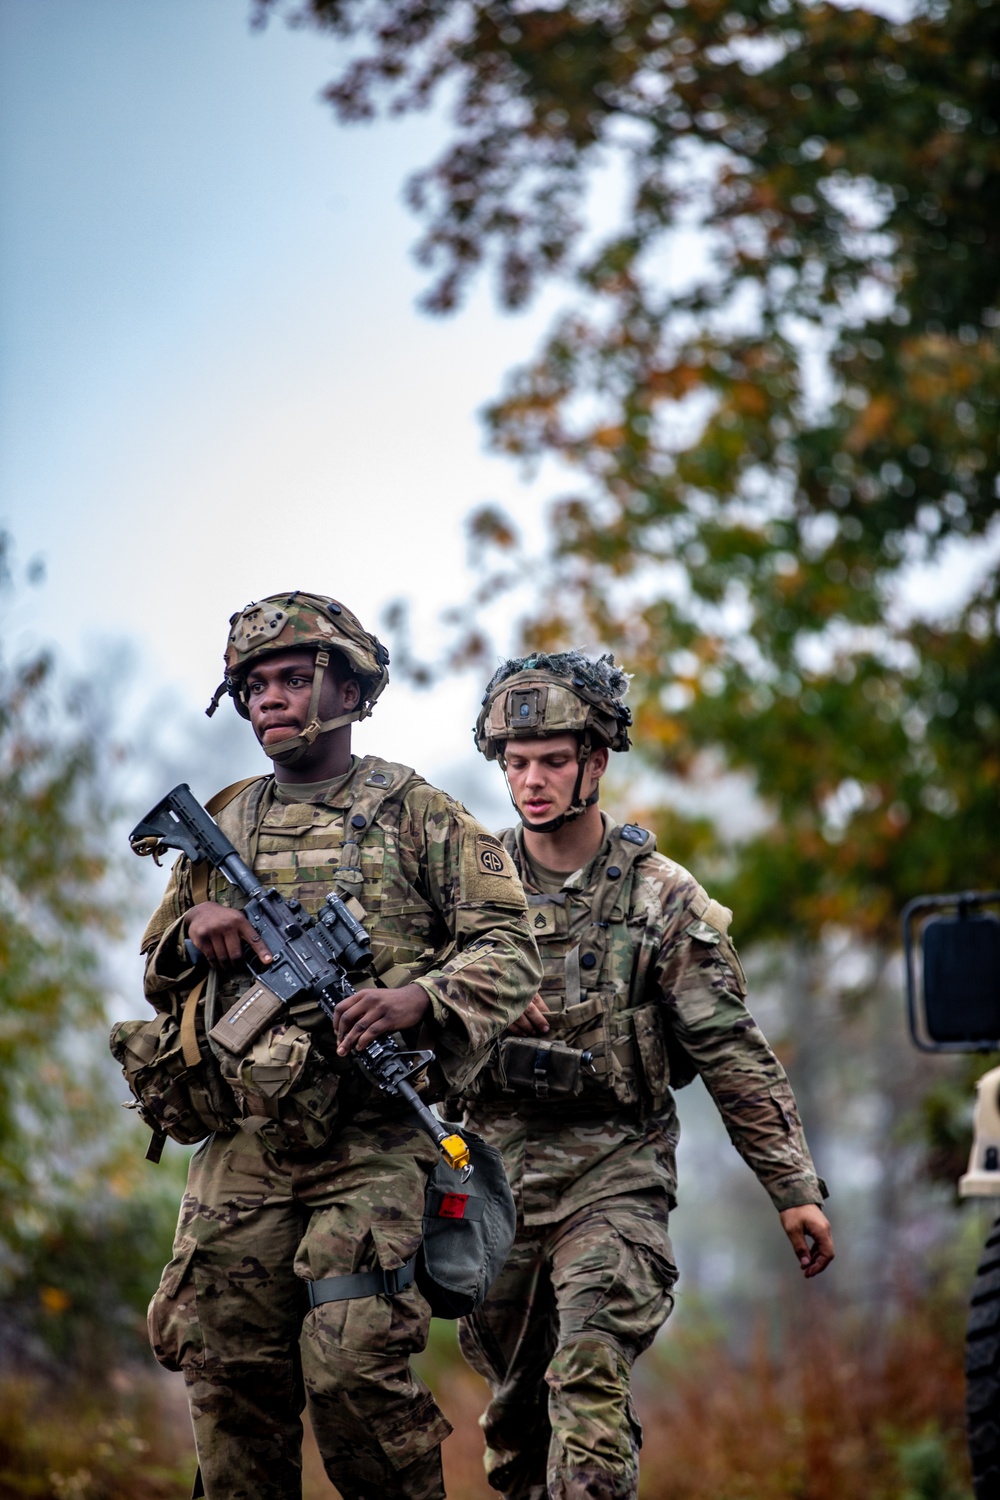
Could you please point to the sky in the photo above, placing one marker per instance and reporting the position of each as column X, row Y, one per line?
column 216, row 383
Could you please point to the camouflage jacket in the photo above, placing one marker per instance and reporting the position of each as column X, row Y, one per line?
column 437, row 893
column 666, row 956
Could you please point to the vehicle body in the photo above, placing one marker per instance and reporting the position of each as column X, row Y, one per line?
column 952, row 950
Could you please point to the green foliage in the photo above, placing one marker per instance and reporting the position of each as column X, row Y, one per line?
column 56, row 908
column 76, row 1296
column 83, row 1228
column 777, row 391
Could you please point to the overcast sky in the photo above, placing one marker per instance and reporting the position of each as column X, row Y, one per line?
column 215, row 382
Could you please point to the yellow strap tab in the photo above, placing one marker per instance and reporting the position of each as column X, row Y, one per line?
column 455, row 1152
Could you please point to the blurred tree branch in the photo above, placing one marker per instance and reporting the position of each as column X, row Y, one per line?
column 776, row 392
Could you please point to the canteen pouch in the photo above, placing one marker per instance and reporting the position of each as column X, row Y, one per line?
column 469, row 1229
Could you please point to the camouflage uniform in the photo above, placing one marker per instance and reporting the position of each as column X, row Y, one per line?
column 314, row 1178
column 638, row 971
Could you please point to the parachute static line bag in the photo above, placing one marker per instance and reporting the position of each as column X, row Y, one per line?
column 469, row 1225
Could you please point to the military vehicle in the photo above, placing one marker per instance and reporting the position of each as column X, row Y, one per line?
column 952, row 951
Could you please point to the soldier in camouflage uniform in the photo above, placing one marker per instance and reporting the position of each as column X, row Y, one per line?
column 642, row 989
column 308, row 1183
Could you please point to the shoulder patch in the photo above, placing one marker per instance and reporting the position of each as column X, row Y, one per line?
column 488, row 873
column 491, row 856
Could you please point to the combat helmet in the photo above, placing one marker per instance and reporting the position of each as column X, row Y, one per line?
column 566, row 692
column 282, row 622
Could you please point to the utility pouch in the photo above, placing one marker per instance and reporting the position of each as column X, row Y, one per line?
column 468, row 1230
column 543, row 1069
column 651, row 1050
column 178, row 1092
column 285, row 1087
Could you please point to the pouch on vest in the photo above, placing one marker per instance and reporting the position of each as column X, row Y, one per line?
column 286, row 1088
column 176, row 1094
column 541, row 1068
column 468, row 1231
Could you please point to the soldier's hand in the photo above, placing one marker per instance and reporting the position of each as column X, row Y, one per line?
column 805, row 1224
column 219, row 932
column 532, row 1022
column 372, row 1013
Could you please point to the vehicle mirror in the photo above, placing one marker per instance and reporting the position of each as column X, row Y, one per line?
column 952, row 952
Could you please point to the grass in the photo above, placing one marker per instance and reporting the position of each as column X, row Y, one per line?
column 825, row 1412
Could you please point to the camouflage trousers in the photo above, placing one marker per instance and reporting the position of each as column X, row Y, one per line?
column 556, row 1340
column 232, row 1312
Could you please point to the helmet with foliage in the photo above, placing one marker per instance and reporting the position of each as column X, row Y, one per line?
column 545, row 694
column 284, row 622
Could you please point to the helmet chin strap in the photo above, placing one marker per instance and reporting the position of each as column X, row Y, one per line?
column 567, row 817
column 288, row 752
column 578, row 805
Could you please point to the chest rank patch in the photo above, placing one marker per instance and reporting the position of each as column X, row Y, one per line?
column 490, row 855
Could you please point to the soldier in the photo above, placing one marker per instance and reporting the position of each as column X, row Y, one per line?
column 642, row 989
column 308, row 1182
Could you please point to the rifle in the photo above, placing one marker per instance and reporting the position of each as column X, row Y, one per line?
column 310, row 957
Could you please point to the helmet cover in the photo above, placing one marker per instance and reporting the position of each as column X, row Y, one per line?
column 296, row 621
column 538, row 696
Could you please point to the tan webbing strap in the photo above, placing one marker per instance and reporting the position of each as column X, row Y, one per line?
column 713, row 912
column 201, row 872
column 189, row 1031
column 230, row 793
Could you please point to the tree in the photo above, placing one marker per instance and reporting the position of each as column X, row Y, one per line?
column 80, row 1247
column 777, row 390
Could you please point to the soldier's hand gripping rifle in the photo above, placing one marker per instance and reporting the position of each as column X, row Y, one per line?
column 309, row 957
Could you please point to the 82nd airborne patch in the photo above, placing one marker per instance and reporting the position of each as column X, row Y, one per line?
column 490, row 854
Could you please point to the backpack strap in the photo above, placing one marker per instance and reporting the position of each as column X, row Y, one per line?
column 189, row 1033
column 201, row 872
